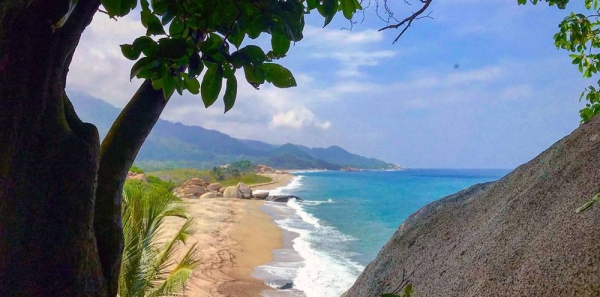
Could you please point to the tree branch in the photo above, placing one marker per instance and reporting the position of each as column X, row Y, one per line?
column 117, row 153
column 407, row 22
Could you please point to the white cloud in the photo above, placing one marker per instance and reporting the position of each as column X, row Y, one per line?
column 332, row 37
column 98, row 67
column 297, row 118
column 351, row 49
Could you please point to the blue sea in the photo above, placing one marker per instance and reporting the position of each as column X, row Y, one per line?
column 345, row 219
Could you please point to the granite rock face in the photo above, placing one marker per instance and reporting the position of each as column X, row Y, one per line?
column 231, row 192
column 519, row 236
column 244, row 191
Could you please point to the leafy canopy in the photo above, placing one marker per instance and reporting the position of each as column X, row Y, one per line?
column 580, row 34
column 185, row 38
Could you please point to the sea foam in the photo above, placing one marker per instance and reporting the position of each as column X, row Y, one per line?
column 316, row 259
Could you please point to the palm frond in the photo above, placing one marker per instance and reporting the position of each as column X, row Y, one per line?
column 146, row 258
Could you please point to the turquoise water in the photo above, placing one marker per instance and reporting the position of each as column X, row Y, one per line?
column 345, row 219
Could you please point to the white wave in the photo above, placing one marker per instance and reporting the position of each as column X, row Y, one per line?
column 295, row 183
column 307, row 217
column 317, row 202
column 324, row 267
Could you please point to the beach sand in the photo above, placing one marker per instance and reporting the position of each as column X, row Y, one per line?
column 234, row 236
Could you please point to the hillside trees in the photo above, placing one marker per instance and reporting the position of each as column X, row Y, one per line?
column 60, row 189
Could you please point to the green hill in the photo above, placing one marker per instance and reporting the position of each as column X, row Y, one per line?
column 174, row 145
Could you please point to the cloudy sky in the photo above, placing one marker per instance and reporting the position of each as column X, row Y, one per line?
column 480, row 85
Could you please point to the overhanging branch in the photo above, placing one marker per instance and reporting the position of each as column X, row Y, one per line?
column 407, row 22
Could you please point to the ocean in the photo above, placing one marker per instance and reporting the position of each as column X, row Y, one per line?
column 345, row 219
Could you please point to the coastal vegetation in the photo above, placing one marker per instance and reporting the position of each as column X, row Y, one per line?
column 150, row 266
column 180, row 175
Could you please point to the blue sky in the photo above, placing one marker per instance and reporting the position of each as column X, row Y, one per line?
column 512, row 95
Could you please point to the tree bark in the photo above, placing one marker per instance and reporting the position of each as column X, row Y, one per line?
column 117, row 153
column 48, row 158
column 60, row 191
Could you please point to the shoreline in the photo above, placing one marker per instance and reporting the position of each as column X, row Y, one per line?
column 234, row 237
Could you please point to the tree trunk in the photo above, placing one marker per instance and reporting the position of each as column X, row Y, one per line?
column 56, row 185
column 48, row 158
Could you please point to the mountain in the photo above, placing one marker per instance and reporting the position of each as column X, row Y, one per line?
column 176, row 145
column 518, row 236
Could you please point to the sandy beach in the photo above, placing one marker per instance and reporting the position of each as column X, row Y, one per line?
column 234, row 236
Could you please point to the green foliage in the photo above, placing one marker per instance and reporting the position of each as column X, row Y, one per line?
column 179, row 175
column 217, row 174
column 580, row 34
column 248, row 178
column 206, row 36
column 149, row 266
column 243, row 166
column 136, row 170
column 159, row 183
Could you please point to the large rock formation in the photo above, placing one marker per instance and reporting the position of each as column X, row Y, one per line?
column 137, row 176
column 518, row 236
column 231, row 192
column 244, row 191
column 193, row 188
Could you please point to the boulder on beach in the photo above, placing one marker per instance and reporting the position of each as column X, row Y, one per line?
column 280, row 284
column 231, row 192
column 261, row 195
column 211, row 195
column 214, row 187
column 244, row 191
column 282, row 198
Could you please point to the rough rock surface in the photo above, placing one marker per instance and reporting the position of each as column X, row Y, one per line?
column 211, row 195
column 261, row 195
column 244, row 191
column 282, row 198
column 231, row 192
column 193, row 188
column 280, row 284
column 136, row 176
column 264, row 169
column 214, row 187
column 518, row 236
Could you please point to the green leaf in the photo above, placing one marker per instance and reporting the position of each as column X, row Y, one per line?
column 230, row 93
column 130, row 52
column 278, row 75
column 152, row 23
column 113, row 7
column 145, row 44
column 252, row 54
column 328, row 10
column 168, row 86
column 280, row 43
column 172, row 48
column 348, row 8
column 236, row 36
column 167, row 17
column 311, row 4
column 211, row 85
column 254, row 75
column 138, row 66
column 176, row 28
column 191, row 84
column 196, row 66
